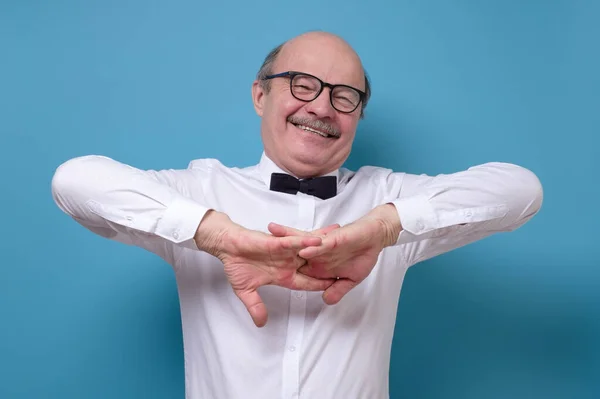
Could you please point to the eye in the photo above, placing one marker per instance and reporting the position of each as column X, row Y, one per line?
column 343, row 99
column 303, row 87
column 305, row 84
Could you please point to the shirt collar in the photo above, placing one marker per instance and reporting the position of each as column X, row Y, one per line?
column 266, row 166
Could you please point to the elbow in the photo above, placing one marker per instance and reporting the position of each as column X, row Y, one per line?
column 532, row 191
column 72, row 178
column 68, row 175
column 526, row 194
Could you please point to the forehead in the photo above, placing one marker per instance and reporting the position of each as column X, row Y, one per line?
column 328, row 59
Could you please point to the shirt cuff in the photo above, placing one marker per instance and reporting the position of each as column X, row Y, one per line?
column 180, row 222
column 420, row 219
column 417, row 216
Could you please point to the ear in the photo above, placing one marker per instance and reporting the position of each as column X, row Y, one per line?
column 258, row 97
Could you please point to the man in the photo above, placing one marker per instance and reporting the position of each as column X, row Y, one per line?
column 320, row 249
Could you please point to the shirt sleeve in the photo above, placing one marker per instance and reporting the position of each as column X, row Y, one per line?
column 445, row 212
column 151, row 209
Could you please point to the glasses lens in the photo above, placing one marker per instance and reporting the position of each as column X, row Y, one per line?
column 305, row 87
column 345, row 99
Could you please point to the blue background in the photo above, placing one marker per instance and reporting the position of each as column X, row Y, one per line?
column 155, row 84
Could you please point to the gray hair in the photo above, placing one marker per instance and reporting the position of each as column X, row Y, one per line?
column 266, row 69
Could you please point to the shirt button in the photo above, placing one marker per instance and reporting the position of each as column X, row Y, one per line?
column 175, row 235
column 292, row 348
column 420, row 225
column 299, row 295
column 468, row 214
column 130, row 218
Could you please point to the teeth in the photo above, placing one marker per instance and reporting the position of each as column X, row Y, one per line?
column 308, row 129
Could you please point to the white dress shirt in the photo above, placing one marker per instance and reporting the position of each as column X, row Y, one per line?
column 307, row 349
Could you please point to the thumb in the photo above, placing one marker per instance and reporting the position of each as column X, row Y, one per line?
column 255, row 306
column 338, row 289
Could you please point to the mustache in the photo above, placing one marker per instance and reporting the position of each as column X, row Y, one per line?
column 315, row 124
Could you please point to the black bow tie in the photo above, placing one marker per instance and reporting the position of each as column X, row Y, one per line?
column 323, row 187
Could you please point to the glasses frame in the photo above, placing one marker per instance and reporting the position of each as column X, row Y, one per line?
column 293, row 74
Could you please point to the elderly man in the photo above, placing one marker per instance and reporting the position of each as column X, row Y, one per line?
column 320, row 249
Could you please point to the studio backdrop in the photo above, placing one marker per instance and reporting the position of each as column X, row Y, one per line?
column 156, row 84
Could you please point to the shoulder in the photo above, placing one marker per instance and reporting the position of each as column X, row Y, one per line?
column 371, row 174
column 212, row 166
column 205, row 164
column 376, row 179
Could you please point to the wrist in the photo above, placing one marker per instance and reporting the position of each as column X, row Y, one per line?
column 390, row 225
column 210, row 232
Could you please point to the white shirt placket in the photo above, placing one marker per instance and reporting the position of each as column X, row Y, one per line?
column 295, row 330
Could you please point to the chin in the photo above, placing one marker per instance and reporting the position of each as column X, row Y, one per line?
column 309, row 165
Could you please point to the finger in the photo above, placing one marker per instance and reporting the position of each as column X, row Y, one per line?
column 327, row 244
column 306, row 283
column 316, row 272
column 300, row 262
column 338, row 289
column 297, row 243
column 255, row 306
column 279, row 230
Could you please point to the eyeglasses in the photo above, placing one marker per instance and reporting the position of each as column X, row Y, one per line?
column 305, row 87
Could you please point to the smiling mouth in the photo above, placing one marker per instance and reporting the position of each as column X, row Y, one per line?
column 314, row 131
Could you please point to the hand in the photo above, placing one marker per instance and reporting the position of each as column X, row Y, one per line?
column 252, row 259
column 348, row 253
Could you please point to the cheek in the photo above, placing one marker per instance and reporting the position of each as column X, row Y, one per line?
column 282, row 107
column 284, row 102
column 348, row 127
column 291, row 106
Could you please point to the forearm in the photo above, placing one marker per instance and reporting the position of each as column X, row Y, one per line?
column 503, row 195
column 116, row 200
column 441, row 213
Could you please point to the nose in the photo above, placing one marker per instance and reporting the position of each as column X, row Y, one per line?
column 321, row 106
